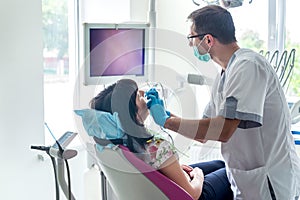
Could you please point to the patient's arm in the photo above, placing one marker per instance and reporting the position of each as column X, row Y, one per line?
column 173, row 170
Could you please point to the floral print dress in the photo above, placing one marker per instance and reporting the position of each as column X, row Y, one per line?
column 158, row 151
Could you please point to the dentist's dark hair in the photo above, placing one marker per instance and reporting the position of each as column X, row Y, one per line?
column 214, row 20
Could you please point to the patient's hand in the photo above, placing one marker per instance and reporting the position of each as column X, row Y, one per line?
column 197, row 173
column 187, row 169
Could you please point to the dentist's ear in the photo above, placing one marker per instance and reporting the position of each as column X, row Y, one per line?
column 209, row 39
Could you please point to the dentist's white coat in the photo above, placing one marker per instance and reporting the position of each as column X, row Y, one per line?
column 260, row 156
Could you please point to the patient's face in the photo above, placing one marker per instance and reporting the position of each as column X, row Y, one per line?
column 143, row 111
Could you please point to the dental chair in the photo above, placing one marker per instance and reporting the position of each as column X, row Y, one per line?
column 132, row 179
column 129, row 177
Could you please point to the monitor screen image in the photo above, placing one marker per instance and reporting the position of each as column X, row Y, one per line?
column 115, row 51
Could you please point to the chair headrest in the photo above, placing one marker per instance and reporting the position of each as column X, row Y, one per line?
column 102, row 125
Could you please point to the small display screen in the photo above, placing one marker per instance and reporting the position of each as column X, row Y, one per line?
column 117, row 52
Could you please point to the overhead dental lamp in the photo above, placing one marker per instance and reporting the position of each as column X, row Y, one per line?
column 224, row 3
column 231, row 3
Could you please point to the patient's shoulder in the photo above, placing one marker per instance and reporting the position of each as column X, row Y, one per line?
column 158, row 151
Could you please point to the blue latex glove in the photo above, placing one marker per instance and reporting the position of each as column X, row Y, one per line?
column 158, row 111
column 153, row 92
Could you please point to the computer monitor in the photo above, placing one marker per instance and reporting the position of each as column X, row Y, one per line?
column 115, row 51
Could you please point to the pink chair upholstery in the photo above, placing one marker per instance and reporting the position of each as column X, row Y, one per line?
column 167, row 186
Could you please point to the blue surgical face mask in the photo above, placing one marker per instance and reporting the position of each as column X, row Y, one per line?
column 204, row 57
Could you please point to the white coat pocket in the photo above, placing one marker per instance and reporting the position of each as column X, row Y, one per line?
column 253, row 184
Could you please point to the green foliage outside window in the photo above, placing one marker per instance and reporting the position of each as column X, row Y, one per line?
column 55, row 26
column 251, row 39
column 294, row 87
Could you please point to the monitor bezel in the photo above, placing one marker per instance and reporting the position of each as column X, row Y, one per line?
column 101, row 80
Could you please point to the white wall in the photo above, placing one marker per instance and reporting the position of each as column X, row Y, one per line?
column 22, row 175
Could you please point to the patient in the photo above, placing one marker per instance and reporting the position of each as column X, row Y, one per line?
column 205, row 180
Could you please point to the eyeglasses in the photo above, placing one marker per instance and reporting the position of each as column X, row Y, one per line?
column 190, row 37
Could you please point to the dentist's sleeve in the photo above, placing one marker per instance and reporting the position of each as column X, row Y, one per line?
column 244, row 94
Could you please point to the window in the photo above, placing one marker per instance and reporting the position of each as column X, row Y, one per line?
column 62, row 25
column 292, row 41
column 251, row 29
column 57, row 88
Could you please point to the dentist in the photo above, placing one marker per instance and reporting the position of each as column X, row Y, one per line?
column 247, row 112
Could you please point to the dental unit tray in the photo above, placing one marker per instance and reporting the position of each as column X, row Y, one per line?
column 62, row 143
column 65, row 139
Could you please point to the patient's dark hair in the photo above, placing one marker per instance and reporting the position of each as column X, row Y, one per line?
column 120, row 97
